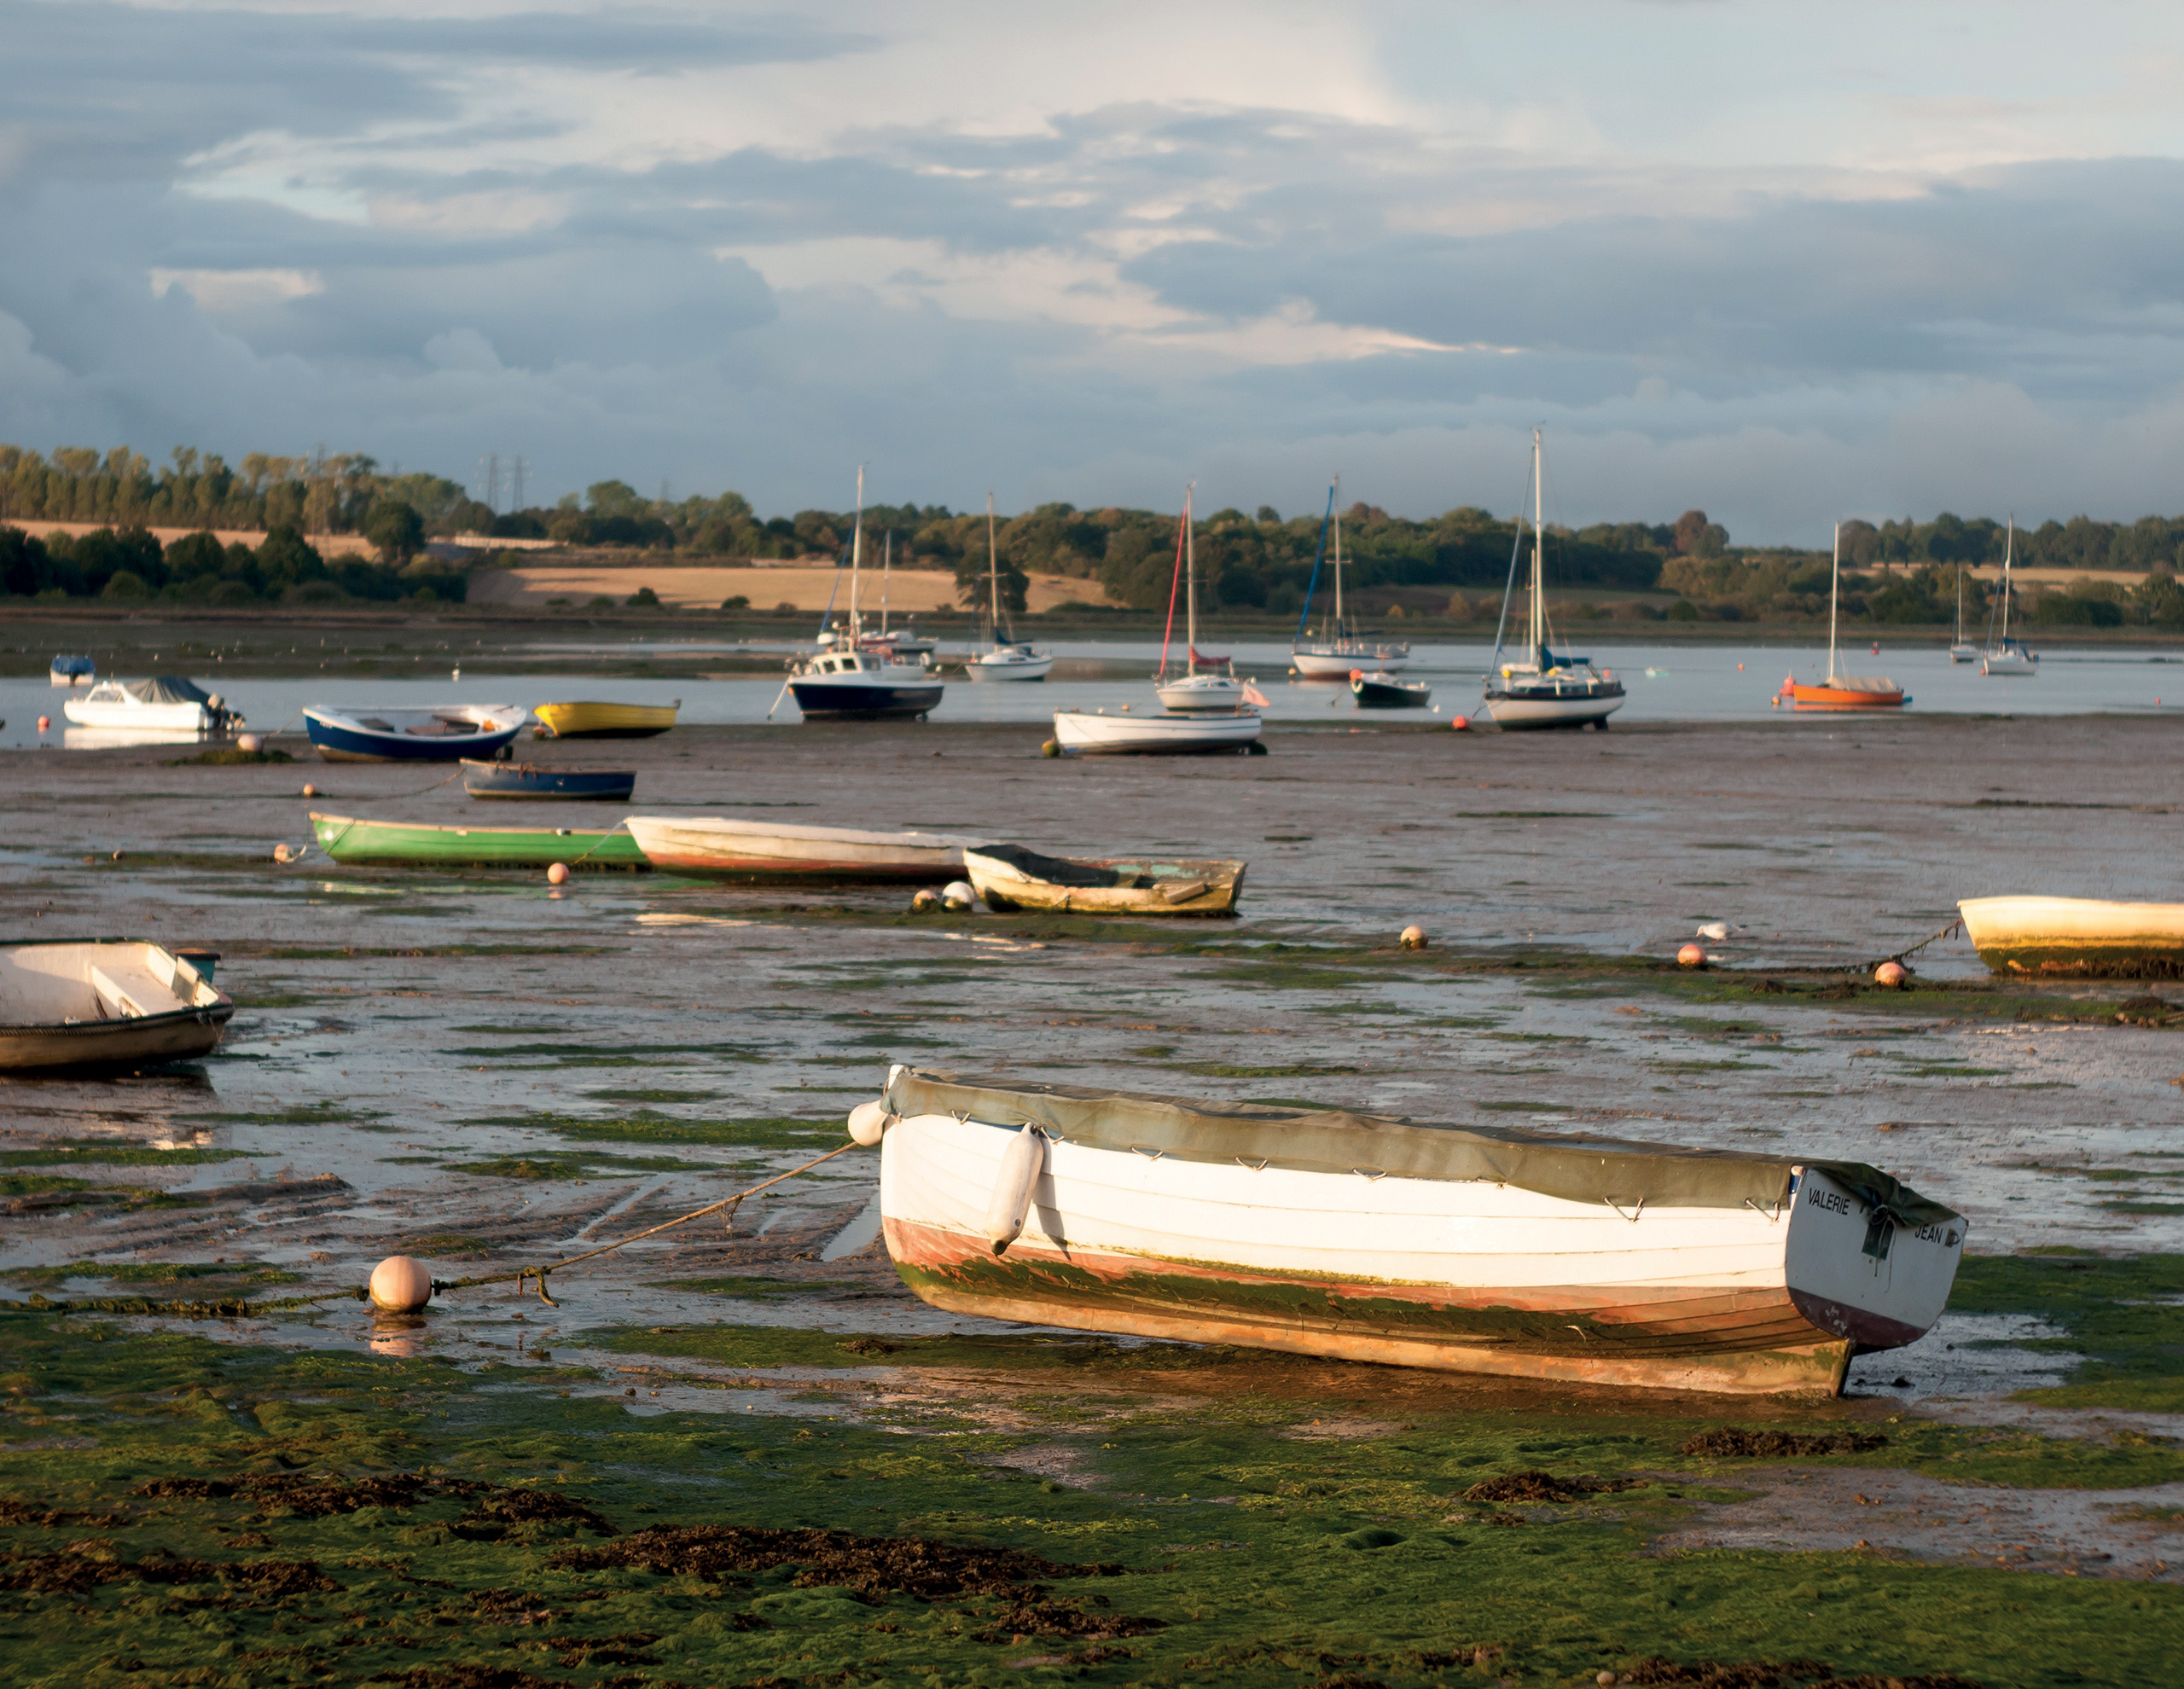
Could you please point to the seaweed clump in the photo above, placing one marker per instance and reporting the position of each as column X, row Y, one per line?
column 1657, row 1672
column 1727, row 1442
column 1539, row 1486
column 870, row 1567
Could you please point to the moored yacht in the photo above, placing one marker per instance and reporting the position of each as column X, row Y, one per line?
column 1340, row 649
column 846, row 681
column 1542, row 688
column 1840, row 691
column 1010, row 658
column 2006, row 659
column 1207, row 684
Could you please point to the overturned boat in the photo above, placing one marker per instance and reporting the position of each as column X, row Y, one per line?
column 755, row 851
column 2080, row 936
column 76, row 1003
column 1364, row 1237
column 594, row 720
column 352, row 838
column 521, row 780
column 1010, row 877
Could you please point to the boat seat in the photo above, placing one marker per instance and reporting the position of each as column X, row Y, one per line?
column 375, row 724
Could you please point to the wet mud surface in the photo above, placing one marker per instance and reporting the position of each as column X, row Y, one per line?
column 487, row 1072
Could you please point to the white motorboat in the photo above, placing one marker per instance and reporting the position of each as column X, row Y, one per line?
column 106, row 1002
column 1207, row 683
column 1364, row 1237
column 1085, row 733
column 1340, row 649
column 853, row 680
column 163, row 703
column 1541, row 689
column 726, row 848
column 2085, row 937
column 2006, row 659
column 72, row 672
column 1009, row 659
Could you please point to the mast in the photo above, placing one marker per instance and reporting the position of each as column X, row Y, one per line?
column 1190, row 584
column 1834, row 582
column 1960, row 603
column 856, row 553
column 1539, row 554
column 993, row 578
column 887, row 573
column 2008, row 547
column 1335, row 503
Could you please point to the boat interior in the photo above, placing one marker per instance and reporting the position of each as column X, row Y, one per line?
column 1111, row 873
column 69, row 984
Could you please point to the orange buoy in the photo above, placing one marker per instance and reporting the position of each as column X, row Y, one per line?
column 1459, row 722
column 310, row 790
column 1690, row 956
column 1893, row 974
column 401, row 1284
column 45, row 723
column 557, row 874
column 1414, row 938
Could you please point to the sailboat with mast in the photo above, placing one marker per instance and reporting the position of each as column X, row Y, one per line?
column 1010, row 658
column 1206, row 683
column 1542, row 689
column 2006, row 659
column 897, row 642
column 1340, row 649
column 1840, row 691
column 845, row 681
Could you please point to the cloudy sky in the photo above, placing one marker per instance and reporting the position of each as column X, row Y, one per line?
column 1785, row 262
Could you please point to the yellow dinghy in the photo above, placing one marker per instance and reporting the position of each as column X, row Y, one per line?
column 607, row 721
column 1010, row 877
column 2079, row 935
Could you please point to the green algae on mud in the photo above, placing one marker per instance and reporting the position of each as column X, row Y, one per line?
column 444, row 1511
column 2123, row 1313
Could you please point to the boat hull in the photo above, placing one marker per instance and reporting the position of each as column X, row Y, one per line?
column 607, row 721
column 1036, row 667
column 1175, row 735
column 1520, row 714
column 1847, row 698
column 1457, row 1274
column 1201, row 694
column 759, row 851
column 1373, row 692
column 856, row 700
column 346, row 839
column 341, row 737
column 1335, row 663
column 2077, row 937
column 104, row 1005
column 520, row 780
column 149, row 718
column 1006, row 886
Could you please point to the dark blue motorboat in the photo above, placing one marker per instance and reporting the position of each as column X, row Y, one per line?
column 1383, row 691
column 528, row 780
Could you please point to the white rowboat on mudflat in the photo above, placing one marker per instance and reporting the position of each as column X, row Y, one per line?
column 2079, row 935
column 776, row 850
column 104, row 1002
column 1080, row 733
column 1368, row 1238
column 1009, row 877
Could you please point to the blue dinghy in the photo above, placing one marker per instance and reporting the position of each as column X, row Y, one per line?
column 528, row 780
column 446, row 733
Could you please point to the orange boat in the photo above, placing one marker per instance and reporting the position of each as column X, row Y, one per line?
column 1840, row 691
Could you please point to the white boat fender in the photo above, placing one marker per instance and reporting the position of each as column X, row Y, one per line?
column 1021, row 1163
column 868, row 1122
column 957, row 895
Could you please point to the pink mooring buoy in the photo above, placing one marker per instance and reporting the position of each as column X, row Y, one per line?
column 401, row 1284
column 1893, row 974
column 1690, row 956
column 557, row 875
column 45, row 723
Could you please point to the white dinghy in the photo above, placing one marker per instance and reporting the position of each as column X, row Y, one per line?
column 1367, row 1238
column 1082, row 733
column 729, row 849
column 105, row 1002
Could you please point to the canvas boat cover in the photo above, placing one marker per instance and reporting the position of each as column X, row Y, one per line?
column 1054, row 870
column 74, row 665
column 1576, row 1167
column 167, row 689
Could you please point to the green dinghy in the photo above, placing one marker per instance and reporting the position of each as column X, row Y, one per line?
column 414, row 843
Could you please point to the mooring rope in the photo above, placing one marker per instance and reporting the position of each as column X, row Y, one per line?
column 1956, row 926
column 242, row 1309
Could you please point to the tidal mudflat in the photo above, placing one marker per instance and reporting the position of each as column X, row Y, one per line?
column 736, row 1455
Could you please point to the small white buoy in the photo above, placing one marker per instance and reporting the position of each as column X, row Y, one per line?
column 1021, row 1163
column 957, row 895
column 925, row 900
column 868, row 1122
column 401, row 1284
column 1690, row 956
column 557, row 875
column 250, row 742
column 310, row 790
column 1893, row 975
column 1414, row 938
column 458, row 672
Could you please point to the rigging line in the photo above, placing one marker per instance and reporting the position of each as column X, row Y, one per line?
column 617, row 826
column 1304, row 617
column 1176, row 580
column 1516, row 550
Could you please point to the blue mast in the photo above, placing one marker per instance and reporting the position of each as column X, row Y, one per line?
column 1316, row 556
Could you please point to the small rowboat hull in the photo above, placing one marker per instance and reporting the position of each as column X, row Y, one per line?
column 1339, row 662
column 607, row 721
column 775, row 852
column 409, row 735
column 1080, row 734
column 525, row 780
column 1362, row 1238
column 1010, row 877
column 104, row 1004
column 2078, row 936
column 413, row 845
column 1378, row 692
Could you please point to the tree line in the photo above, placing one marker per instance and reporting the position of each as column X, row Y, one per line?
column 129, row 566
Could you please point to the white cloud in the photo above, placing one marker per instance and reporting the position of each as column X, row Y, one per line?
column 223, row 290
